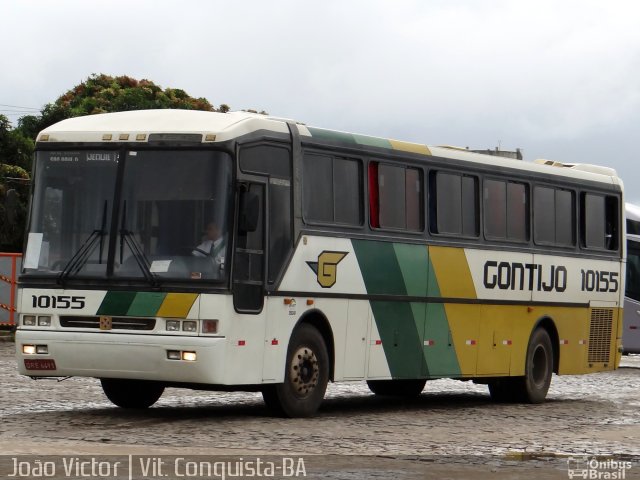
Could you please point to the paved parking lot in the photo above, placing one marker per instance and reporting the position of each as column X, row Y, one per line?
column 452, row 428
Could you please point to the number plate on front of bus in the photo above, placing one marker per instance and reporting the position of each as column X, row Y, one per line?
column 39, row 364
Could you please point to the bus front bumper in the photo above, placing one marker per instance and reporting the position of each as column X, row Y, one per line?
column 141, row 357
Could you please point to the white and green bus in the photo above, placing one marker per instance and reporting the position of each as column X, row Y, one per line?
column 631, row 323
column 243, row 252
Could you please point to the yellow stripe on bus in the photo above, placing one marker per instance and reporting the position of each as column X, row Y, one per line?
column 177, row 305
column 452, row 272
column 410, row 147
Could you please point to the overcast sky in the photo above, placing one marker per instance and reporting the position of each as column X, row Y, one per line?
column 559, row 79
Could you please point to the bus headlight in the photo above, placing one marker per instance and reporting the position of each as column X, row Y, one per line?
column 173, row 325
column 44, row 321
column 189, row 356
column 189, row 326
column 29, row 320
column 28, row 349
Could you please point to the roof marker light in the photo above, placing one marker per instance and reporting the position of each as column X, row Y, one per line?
column 141, row 137
column 123, row 136
column 107, row 136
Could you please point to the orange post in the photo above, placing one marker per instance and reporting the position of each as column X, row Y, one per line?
column 12, row 280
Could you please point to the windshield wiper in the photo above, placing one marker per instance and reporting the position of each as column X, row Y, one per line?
column 80, row 258
column 127, row 237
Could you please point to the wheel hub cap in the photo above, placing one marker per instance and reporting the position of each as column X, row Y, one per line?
column 304, row 371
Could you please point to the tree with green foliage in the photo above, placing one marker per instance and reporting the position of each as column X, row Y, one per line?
column 102, row 93
column 15, row 160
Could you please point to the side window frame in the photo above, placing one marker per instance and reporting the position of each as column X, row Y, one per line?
column 434, row 204
column 611, row 230
column 527, row 211
column 556, row 216
column 373, row 176
column 334, row 157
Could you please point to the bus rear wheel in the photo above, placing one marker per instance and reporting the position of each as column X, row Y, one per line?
column 135, row 394
column 533, row 387
column 306, row 376
column 397, row 388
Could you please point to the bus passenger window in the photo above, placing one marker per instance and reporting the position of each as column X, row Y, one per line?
column 456, row 204
column 506, row 210
column 495, row 212
column 332, row 190
column 396, row 197
column 599, row 221
column 553, row 216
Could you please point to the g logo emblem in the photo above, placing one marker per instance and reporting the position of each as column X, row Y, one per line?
column 326, row 268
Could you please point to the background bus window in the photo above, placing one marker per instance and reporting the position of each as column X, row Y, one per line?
column 456, row 204
column 399, row 197
column 599, row 221
column 632, row 287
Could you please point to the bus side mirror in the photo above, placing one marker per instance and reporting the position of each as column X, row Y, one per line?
column 249, row 212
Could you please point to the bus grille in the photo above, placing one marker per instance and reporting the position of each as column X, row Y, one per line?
column 600, row 335
column 117, row 323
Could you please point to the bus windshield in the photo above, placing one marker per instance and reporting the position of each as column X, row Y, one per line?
column 171, row 220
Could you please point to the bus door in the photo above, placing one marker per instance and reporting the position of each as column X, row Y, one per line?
column 248, row 258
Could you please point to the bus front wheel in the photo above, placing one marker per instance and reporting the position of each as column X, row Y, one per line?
column 306, row 376
column 135, row 394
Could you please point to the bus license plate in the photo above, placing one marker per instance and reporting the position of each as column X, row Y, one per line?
column 39, row 364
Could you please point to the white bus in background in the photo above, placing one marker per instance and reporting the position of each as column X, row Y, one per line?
column 631, row 330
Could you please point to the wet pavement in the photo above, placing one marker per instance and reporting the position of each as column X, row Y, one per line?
column 456, row 421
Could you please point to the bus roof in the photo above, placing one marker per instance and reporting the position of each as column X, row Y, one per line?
column 633, row 211
column 136, row 126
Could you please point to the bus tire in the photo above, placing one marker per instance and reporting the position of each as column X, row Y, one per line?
column 397, row 388
column 135, row 394
column 533, row 387
column 306, row 376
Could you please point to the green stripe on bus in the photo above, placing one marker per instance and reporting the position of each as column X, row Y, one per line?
column 379, row 266
column 414, row 265
column 331, row 135
column 146, row 304
column 400, row 338
column 116, row 303
column 441, row 357
column 400, row 324
column 431, row 320
column 372, row 141
column 415, row 336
